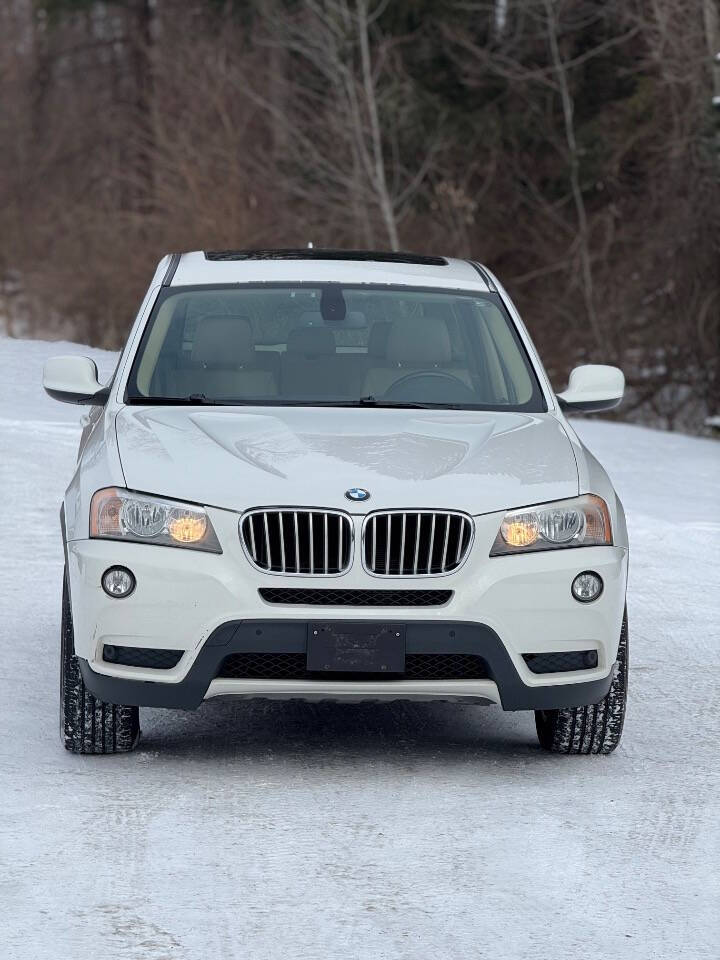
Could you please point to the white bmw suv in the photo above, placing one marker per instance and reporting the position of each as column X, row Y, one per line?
column 360, row 485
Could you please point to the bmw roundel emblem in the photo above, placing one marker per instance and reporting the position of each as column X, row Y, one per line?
column 357, row 493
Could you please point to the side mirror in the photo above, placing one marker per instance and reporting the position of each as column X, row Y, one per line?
column 74, row 380
column 593, row 387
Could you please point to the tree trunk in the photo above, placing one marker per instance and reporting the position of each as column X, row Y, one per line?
column 380, row 180
column 586, row 271
column 141, row 41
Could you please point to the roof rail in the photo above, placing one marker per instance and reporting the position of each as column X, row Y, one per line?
column 172, row 267
column 484, row 274
column 316, row 253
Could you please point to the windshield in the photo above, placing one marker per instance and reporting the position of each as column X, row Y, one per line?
column 331, row 344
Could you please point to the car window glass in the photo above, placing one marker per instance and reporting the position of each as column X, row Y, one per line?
column 290, row 344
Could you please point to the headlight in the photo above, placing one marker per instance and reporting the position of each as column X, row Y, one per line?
column 122, row 515
column 581, row 522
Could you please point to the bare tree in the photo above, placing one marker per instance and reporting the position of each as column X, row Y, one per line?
column 560, row 79
column 533, row 81
column 347, row 109
column 569, row 143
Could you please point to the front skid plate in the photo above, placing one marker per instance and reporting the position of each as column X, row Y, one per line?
column 482, row 692
column 290, row 636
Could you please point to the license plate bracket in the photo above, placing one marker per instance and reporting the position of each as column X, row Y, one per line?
column 356, row 647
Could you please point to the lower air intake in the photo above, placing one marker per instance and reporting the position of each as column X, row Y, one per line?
column 356, row 598
column 291, row 666
column 561, row 662
column 150, row 657
column 263, row 666
column 445, row 666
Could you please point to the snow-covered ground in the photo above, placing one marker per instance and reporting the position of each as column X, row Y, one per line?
column 413, row 831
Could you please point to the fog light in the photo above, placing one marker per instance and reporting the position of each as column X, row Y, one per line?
column 587, row 586
column 118, row 582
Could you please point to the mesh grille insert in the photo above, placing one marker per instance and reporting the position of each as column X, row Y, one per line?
column 444, row 666
column 415, row 543
column 142, row 657
column 356, row 598
column 269, row 666
column 561, row 662
column 291, row 666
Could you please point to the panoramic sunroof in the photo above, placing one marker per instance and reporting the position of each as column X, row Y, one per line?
column 311, row 253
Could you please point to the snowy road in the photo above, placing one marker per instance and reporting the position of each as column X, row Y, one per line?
column 414, row 831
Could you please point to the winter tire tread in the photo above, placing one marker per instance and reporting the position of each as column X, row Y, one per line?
column 593, row 729
column 89, row 725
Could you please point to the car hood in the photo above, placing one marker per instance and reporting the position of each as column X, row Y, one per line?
column 237, row 458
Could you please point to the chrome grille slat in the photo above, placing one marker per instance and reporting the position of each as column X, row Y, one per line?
column 268, row 550
column 325, row 542
column 418, row 524
column 298, row 542
column 340, row 542
column 459, row 544
column 445, row 543
column 253, row 548
column 312, row 544
column 298, row 559
column 432, row 544
column 415, row 543
column 282, row 541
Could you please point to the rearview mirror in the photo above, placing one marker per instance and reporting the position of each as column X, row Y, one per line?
column 73, row 380
column 593, row 387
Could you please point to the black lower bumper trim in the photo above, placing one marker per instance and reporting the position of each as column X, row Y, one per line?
column 290, row 636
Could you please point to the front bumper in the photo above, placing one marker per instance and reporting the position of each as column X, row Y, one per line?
column 205, row 604
column 201, row 682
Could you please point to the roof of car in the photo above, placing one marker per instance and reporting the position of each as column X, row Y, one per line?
column 321, row 266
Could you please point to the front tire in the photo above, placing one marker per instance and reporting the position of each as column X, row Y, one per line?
column 89, row 725
column 593, row 729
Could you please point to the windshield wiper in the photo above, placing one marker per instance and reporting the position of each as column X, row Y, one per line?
column 199, row 399
column 371, row 401
column 195, row 400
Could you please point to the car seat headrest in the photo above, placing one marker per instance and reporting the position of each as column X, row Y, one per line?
column 418, row 341
column 378, row 338
column 311, row 341
column 223, row 341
